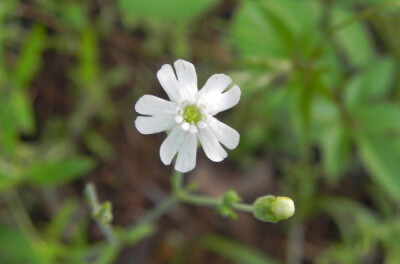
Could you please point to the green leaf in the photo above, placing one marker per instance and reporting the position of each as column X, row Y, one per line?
column 372, row 83
column 382, row 161
column 234, row 251
column 353, row 2
column 352, row 38
column 29, row 61
column 303, row 98
column 275, row 29
column 7, row 182
column 336, row 147
column 16, row 249
column 378, row 118
column 6, row 9
column 59, row 172
column 379, row 77
column 56, row 229
column 8, row 132
column 99, row 145
column 89, row 57
column 23, row 115
column 176, row 10
column 255, row 35
column 353, row 91
column 74, row 14
column 350, row 216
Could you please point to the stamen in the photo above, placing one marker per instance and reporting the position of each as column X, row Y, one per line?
column 193, row 129
column 178, row 119
column 179, row 110
column 201, row 104
column 185, row 126
column 201, row 125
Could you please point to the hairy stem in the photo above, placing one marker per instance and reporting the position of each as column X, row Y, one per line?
column 93, row 200
column 211, row 202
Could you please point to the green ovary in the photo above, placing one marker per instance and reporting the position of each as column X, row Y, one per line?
column 192, row 114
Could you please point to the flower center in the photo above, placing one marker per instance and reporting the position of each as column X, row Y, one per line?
column 192, row 114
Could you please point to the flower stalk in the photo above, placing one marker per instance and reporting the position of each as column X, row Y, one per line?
column 202, row 200
column 267, row 208
column 101, row 213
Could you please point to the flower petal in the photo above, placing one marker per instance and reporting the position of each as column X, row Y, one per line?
column 187, row 79
column 228, row 136
column 152, row 105
column 186, row 160
column 171, row 145
column 168, row 81
column 154, row 124
column 210, row 145
column 215, row 85
column 224, row 101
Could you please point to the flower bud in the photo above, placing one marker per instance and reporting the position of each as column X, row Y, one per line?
column 283, row 207
column 103, row 213
column 272, row 209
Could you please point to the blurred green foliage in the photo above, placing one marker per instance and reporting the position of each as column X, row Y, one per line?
column 320, row 98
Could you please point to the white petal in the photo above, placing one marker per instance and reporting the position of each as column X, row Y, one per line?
column 210, row 145
column 154, row 124
column 224, row 101
column 228, row 136
column 171, row 145
column 215, row 85
column 168, row 81
column 186, row 159
column 187, row 80
column 152, row 105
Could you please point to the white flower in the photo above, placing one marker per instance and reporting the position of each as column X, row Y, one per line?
column 189, row 115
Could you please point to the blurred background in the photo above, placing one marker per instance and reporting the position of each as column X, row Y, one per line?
column 319, row 120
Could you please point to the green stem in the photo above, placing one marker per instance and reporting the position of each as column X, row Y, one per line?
column 295, row 248
column 176, row 182
column 158, row 211
column 243, row 207
column 200, row 200
column 93, row 199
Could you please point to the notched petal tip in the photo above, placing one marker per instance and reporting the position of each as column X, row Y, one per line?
column 215, row 85
column 233, row 141
column 167, row 78
column 225, row 101
column 139, row 126
column 236, row 92
column 182, row 62
column 211, row 146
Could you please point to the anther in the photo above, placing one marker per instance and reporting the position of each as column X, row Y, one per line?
column 201, row 125
column 193, row 129
column 185, row 126
column 178, row 119
column 179, row 110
